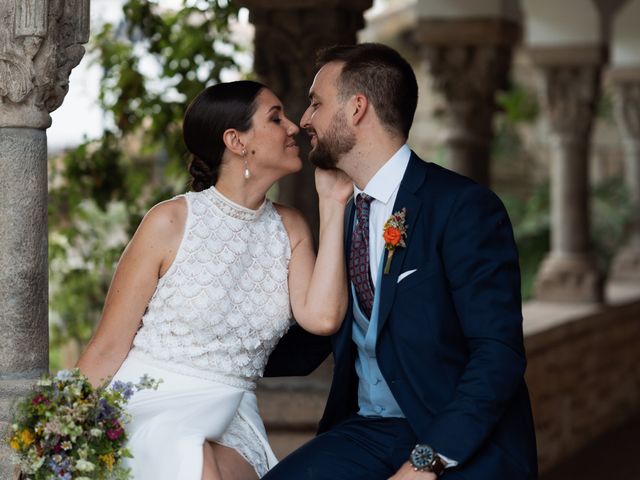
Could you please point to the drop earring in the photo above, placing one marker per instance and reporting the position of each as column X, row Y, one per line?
column 245, row 172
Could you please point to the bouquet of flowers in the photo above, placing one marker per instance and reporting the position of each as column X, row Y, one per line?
column 68, row 429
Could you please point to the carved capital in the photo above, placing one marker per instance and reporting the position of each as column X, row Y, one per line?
column 469, row 77
column 626, row 98
column 40, row 43
column 569, row 94
column 569, row 88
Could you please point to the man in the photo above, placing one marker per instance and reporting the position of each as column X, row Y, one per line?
column 429, row 362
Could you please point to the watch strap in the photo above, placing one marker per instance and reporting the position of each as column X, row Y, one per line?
column 438, row 465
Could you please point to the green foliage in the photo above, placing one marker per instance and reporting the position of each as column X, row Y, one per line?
column 152, row 65
column 532, row 230
column 611, row 213
column 518, row 104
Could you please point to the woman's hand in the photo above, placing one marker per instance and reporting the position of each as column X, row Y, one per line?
column 333, row 184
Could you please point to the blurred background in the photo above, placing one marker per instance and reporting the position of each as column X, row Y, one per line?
column 539, row 99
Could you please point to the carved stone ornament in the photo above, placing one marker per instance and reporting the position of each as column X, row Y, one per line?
column 569, row 94
column 40, row 43
column 627, row 107
column 469, row 77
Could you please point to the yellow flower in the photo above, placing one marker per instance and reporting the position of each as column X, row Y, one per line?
column 27, row 437
column 15, row 444
column 108, row 460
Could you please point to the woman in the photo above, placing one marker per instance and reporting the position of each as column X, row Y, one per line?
column 206, row 288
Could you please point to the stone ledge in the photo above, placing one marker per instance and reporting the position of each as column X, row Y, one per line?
column 582, row 373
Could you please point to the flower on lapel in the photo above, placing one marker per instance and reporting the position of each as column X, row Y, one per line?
column 394, row 233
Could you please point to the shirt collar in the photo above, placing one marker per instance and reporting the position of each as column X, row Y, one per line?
column 388, row 178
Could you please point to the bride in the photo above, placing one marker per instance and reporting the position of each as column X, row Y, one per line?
column 207, row 286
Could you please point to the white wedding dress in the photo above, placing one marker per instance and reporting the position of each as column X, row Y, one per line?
column 209, row 328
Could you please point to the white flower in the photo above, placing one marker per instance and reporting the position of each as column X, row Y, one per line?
column 84, row 466
column 95, row 432
column 64, row 375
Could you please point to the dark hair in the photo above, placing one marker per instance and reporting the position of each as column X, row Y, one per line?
column 214, row 110
column 380, row 73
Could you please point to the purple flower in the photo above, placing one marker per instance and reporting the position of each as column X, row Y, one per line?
column 60, row 469
column 125, row 388
column 105, row 411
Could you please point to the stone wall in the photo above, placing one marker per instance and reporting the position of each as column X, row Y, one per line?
column 583, row 373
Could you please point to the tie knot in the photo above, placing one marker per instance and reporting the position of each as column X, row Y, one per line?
column 363, row 200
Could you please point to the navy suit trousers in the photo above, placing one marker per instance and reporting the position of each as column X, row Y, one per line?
column 359, row 448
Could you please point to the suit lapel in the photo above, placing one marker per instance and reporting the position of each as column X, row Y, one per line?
column 413, row 178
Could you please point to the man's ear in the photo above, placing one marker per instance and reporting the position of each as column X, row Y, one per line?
column 233, row 142
column 358, row 106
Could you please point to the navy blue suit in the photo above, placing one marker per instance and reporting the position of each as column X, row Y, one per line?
column 450, row 342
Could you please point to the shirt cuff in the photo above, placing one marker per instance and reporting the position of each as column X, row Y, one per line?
column 448, row 463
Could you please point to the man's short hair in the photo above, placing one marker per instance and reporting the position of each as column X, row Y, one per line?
column 382, row 75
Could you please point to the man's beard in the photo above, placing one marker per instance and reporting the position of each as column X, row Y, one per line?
column 338, row 141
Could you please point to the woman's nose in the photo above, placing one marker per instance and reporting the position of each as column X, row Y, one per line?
column 293, row 129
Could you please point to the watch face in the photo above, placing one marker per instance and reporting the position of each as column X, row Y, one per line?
column 422, row 456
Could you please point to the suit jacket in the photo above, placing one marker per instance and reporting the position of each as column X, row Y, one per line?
column 450, row 342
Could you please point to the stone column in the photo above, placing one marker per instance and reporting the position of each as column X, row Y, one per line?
column 626, row 87
column 40, row 43
column 469, row 61
column 288, row 33
column 569, row 93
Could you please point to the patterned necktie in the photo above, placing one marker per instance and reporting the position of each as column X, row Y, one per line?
column 359, row 259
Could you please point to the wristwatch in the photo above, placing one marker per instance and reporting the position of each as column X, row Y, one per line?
column 424, row 459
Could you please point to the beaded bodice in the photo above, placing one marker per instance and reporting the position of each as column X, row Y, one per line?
column 222, row 306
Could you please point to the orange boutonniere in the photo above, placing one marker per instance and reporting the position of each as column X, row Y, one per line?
column 395, row 231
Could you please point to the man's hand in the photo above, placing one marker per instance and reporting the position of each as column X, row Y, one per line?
column 333, row 184
column 407, row 472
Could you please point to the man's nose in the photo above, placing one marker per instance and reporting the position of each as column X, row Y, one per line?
column 304, row 121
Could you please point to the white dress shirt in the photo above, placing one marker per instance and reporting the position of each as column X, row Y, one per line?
column 383, row 187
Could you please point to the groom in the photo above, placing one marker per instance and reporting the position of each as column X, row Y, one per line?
column 429, row 362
